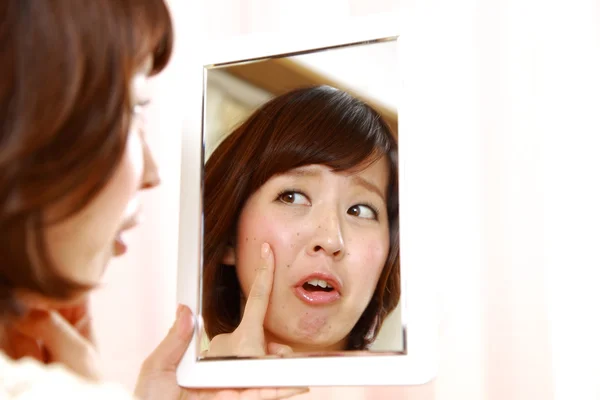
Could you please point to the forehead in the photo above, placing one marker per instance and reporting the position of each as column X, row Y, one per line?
column 376, row 173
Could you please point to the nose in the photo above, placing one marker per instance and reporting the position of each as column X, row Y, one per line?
column 328, row 238
column 151, row 177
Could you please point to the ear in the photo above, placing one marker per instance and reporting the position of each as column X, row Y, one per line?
column 228, row 256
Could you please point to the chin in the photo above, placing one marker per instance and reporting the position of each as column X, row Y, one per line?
column 97, row 268
column 310, row 342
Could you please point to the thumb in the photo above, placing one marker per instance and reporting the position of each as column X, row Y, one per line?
column 170, row 351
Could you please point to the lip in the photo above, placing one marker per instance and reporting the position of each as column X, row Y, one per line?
column 318, row 298
column 119, row 245
column 130, row 223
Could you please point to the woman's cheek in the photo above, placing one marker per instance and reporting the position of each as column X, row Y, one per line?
column 254, row 230
column 283, row 240
column 375, row 254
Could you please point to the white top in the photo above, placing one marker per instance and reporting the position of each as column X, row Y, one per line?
column 29, row 379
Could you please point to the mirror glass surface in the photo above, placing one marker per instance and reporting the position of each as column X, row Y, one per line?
column 300, row 152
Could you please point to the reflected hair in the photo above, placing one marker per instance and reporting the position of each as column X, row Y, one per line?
column 65, row 109
column 307, row 126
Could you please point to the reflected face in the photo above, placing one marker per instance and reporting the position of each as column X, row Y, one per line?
column 82, row 245
column 330, row 239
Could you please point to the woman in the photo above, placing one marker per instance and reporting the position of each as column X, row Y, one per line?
column 311, row 188
column 73, row 160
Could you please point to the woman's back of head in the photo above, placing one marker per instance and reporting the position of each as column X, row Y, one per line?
column 65, row 110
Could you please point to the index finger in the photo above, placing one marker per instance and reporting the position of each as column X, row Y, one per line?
column 79, row 317
column 62, row 341
column 258, row 299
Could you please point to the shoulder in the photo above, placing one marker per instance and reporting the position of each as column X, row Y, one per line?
column 28, row 379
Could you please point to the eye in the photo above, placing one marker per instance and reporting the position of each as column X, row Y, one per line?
column 140, row 107
column 293, row 197
column 363, row 211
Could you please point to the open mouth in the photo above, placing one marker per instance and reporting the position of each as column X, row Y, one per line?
column 317, row 285
column 119, row 245
column 318, row 289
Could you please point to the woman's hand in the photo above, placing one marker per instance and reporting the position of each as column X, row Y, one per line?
column 157, row 379
column 248, row 340
column 56, row 336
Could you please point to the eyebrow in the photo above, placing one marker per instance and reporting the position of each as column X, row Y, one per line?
column 304, row 172
column 357, row 180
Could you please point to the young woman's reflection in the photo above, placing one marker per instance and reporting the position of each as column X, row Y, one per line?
column 301, row 228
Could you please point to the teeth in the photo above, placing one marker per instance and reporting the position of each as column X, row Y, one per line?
column 320, row 283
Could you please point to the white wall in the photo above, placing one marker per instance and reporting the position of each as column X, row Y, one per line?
column 369, row 70
column 509, row 115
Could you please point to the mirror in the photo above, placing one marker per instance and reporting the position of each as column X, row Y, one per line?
column 300, row 151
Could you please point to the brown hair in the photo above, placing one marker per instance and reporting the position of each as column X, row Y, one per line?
column 316, row 125
column 65, row 110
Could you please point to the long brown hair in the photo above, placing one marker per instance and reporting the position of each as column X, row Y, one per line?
column 65, row 110
column 316, row 125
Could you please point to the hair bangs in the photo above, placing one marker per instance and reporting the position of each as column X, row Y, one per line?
column 328, row 127
column 152, row 33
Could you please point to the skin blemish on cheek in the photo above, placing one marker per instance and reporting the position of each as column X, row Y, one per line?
column 288, row 265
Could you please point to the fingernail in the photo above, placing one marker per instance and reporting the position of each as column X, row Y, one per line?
column 82, row 322
column 179, row 310
column 184, row 325
column 264, row 252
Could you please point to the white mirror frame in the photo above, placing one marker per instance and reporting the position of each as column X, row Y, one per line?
column 418, row 297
